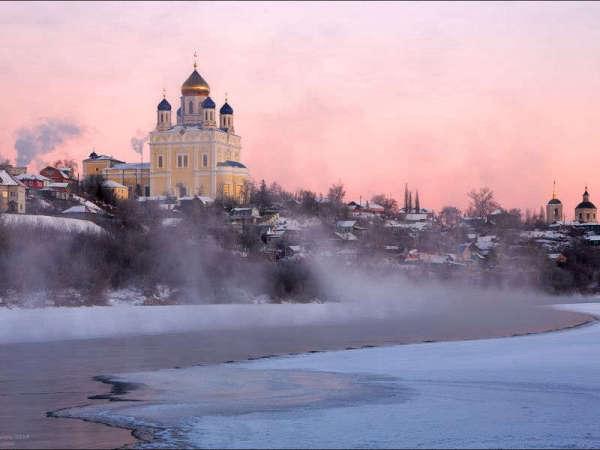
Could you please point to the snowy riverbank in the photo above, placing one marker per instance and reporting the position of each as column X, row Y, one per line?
column 468, row 320
column 529, row 391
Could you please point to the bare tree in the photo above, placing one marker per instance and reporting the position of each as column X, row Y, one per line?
column 482, row 202
column 449, row 216
column 336, row 193
column 67, row 163
column 389, row 204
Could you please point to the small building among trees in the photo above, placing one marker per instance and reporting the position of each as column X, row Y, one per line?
column 12, row 194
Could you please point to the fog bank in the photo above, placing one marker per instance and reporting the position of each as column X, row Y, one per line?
column 455, row 314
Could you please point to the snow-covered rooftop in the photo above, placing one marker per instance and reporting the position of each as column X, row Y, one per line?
column 58, row 185
column 406, row 225
column 345, row 223
column 131, row 166
column 31, row 177
column 153, row 198
column 111, row 184
column 7, row 180
column 102, row 157
column 202, row 198
column 415, row 217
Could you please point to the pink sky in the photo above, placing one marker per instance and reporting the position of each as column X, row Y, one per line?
column 442, row 96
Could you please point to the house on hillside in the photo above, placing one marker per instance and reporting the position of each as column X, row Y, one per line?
column 244, row 216
column 346, row 230
column 119, row 191
column 365, row 209
column 12, row 194
column 60, row 175
column 57, row 190
column 345, row 226
column 33, row 181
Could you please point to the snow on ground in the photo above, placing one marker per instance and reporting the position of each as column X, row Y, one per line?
column 126, row 296
column 56, row 223
column 171, row 221
column 298, row 223
column 543, row 234
column 535, row 391
column 90, row 205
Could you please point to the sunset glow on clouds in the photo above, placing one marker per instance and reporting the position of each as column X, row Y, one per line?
column 443, row 96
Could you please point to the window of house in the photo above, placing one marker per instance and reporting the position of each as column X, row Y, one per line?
column 182, row 161
column 204, row 160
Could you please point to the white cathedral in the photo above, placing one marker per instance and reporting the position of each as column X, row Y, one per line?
column 195, row 156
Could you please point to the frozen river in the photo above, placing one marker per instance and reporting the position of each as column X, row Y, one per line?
column 531, row 391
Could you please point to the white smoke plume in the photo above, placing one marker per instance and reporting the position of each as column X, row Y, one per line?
column 137, row 144
column 32, row 142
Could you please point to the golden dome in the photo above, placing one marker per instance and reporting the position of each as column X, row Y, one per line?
column 195, row 85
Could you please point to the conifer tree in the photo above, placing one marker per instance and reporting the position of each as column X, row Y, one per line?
column 417, row 204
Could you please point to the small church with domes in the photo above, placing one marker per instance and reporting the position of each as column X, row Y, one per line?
column 196, row 153
column 585, row 211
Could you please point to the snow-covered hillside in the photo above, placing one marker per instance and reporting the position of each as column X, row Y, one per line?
column 55, row 223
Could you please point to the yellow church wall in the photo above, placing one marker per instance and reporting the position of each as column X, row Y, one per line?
column 231, row 184
column 120, row 193
column 95, row 167
column 159, row 186
column 203, row 184
column 129, row 178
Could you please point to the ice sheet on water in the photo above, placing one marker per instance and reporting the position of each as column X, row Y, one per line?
column 532, row 391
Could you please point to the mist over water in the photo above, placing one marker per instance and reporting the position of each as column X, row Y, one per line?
column 354, row 298
column 192, row 268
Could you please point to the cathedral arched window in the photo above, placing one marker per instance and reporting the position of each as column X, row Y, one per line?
column 191, row 107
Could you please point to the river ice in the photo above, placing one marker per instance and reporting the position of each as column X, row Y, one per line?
column 532, row 391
